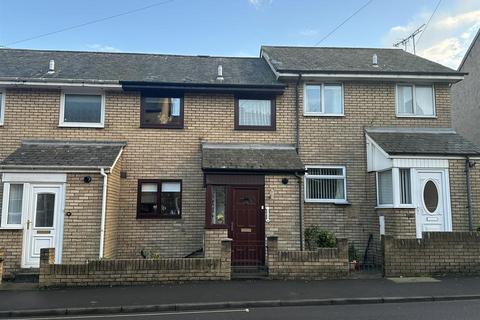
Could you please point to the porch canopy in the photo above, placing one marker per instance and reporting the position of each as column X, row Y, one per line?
column 63, row 155
column 253, row 158
column 394, row 147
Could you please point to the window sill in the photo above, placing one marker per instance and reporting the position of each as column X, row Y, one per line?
column 160, row 127
column 11, row 228
column 340, row 203
column 416, row 117
column 250, row 128
column 81, row 125
column 327, row 115
column 158, row 217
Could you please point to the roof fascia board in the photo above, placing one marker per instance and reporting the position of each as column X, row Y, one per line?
column 366, row 76
column 267, row 59
column 58, row 85
column 465, row 57
column 383, row 152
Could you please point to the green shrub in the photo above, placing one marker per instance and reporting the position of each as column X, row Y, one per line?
column 315, row 237
column 478, row 229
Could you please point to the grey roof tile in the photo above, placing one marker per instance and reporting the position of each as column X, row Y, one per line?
column 350, row 60
column 115, row 67
column 244, row 157
column 64, row 154
column 439, row 143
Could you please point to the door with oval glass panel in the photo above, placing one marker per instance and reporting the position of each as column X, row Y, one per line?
column 43, row 223
column 433, row 202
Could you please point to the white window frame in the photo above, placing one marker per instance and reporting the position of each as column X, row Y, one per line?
column 322, row 102
column 2, row 106
column 414, row 100
column 5, row 202
column 396, row 189
column 100, row 124
column 344, row 177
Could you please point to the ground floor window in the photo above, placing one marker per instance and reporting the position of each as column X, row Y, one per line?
column 216, row 205
column 159, row 199
column 12, row 206
column 325, row 184
column 394, row 187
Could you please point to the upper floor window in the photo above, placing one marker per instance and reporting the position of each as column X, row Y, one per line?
column 159, row 199
column 255, row 114
column 162, row 112
column 323, row 99
column 415, row 100
column 326, row 184
column 2, row 106
column 82, row 110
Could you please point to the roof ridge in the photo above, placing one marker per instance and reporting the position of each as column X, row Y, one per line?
column 130, row 53
column 313, row 47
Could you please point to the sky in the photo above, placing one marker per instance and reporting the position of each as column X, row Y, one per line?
column 238, row 27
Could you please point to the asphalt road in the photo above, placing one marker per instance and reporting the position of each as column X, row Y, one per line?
column 457, row 310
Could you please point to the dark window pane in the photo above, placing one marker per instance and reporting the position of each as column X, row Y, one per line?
column 405, row 187
column 148, row 198
column 161, row 111
column 83, row 108
column 45, row 210
column 171, row 198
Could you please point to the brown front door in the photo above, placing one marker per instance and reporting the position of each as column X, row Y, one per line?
column 247, row 225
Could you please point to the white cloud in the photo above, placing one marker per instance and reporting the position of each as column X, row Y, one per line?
column 447, row 36
column 308, row 32
column 101, row 47
column 259, row 3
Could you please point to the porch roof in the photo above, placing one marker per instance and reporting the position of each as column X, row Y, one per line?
column 425, row 141
column 251, row 158
column 62, row 155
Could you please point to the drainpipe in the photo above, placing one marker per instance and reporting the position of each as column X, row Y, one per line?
column 104, row 209
column 297, row 115
column 468, row 165
column 297, row 148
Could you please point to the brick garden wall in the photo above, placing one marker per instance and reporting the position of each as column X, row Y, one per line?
column 134, row 271
column 437, row 253
column 325, row 263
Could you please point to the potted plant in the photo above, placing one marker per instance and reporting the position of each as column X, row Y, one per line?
column 353, row 257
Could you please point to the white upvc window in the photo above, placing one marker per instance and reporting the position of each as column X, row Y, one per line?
column 415, row 100
column 394, row 188
column 13, row 205
column 82, row 109
column 323, row 99
column 326, row 184
column 2, row 106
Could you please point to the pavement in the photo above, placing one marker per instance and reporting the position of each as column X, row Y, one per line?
column 232, row 295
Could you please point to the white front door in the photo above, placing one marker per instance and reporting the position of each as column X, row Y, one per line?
column 433, row 201
column 43, row 223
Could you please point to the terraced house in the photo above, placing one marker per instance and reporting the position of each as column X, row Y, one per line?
column 118, row 155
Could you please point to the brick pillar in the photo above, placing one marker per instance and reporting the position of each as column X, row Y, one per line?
column 342, row 246
column 47, row 259
column 212, row 242
column 226, row 256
